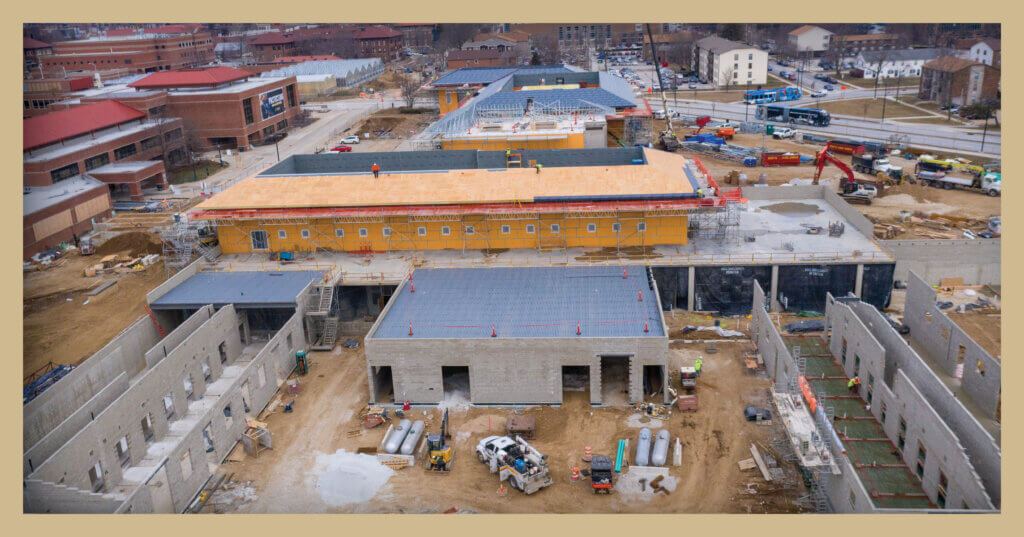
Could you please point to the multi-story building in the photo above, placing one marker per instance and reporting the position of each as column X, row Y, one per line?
column 417, row 36
column 458, row 59
column 851, row 45
column 135, row 53
column 728, row 63
column 223, row 108
column 984, row 50
column 270, row 46
column 950, row 80
column 895, row 63
column 109, row 141
column 607, row 197
column 808, row 38
column 40, row 93
column 59, row 213
column 517, row 42
column 34, row 49
column 379, row 42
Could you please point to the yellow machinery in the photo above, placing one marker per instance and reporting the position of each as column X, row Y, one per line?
column 440, row 451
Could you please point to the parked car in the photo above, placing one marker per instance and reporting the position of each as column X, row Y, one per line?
column 791, row 76
column 350, row 140
column 692, row 86
column 342, row 148
column 820, row 93
column 831, row 80
column 769, row 68
column 783, row 132
column 829, row 87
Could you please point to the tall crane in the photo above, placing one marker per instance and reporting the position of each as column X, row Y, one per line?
column 661, row 83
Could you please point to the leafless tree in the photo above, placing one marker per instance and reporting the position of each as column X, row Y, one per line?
column 451, row 36
column 681, row 53
column 409, row 86
column 546, row 49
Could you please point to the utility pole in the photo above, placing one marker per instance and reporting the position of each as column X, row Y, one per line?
column 984, row 131
column 661, row 84
column 885, row 94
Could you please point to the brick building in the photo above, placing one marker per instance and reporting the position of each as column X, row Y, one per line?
column 34, row 49
column 39, row 94
column 98, row 140
column 270, row 46
column 417, row 36
column 985, row 50
column 379, row 42
column 224, row 107
column 135, row 53
column 457, row 59
column 851, row 45
column 958, row 81
column 58, row 213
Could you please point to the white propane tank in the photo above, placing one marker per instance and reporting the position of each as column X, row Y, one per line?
column 660, row 452
column 394, row 442
column 643, row 448
column 409, row 445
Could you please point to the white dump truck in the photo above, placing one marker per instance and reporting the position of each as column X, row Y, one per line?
column 990, row 183
column 517, row 461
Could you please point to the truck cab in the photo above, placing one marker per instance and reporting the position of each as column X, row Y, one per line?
column 992, row 184
column 688, row 377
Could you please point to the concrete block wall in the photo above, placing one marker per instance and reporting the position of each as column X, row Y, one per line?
column 176, row 336
column 947, row 344
column 124, row 354
column 981, row 448
column 977, row 261
column 42, row 497
column 173, row 281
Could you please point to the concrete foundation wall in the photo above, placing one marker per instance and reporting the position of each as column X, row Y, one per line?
column 242, row 380
column 977, row 261
column 173, row 281
column 178, row 335
column 124, row 354
column 980, row 447
column 524, row 370
column 42, row 497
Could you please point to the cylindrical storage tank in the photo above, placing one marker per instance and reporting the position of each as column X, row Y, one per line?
column 394, row 442
column 409, row 445
column 660, row 452
column 643, row 448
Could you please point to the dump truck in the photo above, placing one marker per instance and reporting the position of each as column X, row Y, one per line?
column 517, row 461
column 688, row 377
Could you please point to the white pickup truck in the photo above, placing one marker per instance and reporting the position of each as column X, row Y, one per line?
column 523, row 466
column 783, row 132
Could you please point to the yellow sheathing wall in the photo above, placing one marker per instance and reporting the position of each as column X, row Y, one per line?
column 85, row 211
column 455, row 233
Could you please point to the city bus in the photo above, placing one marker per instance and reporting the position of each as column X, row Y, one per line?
column 771, row 95
column 787, row 114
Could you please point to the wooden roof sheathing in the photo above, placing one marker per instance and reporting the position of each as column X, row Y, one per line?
column 662, row 175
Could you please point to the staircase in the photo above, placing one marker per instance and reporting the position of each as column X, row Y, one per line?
column 330, row 333
column 326, row 296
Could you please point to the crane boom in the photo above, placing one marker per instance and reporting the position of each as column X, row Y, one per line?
column 824, row 156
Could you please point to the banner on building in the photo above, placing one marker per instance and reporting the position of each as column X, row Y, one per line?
column 272, row 103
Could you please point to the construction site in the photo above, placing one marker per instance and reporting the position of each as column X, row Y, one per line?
column 533, row 325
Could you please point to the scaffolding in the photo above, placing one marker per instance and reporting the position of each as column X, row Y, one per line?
column 182, row 243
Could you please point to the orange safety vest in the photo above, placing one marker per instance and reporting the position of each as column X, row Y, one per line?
column 375, row 168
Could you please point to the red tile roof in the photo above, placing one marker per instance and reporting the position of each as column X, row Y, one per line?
column 377, row 32
column 56, row 126
column 31, row 44
column 191, row 78
column 300, row 59
column 273, row 38
column 120, row 32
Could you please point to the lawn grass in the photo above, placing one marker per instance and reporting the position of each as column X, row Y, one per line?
column 186, row 175
column 869, row 83
column 856, row 107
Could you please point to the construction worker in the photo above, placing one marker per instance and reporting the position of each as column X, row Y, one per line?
column 697, row 365
column 539, row 166
column 700, row 193
column 375, row 169
column 508, row 154
column 853, row 385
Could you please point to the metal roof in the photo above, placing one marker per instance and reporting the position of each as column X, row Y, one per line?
column 903, row 55
column 66, row 124
column 339, row 68
column 564, row 98
column 487, row 75
column 243, row 289
column 524, row 302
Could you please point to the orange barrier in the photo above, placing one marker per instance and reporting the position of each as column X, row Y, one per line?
column 805, row 387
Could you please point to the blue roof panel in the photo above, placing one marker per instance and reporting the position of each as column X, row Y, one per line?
column 487, row 75
column 524, row 302
column 276, row 289
column 556, row 97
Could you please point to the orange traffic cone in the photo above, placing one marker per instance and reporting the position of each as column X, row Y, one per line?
column 640, row 295
column 410, row 329
column 575, row 475
column 586, row 454
column 645, row 326
column 623, row 273
column 412, row 287
column 493, row 333
column 501, row 488
column 577, row 329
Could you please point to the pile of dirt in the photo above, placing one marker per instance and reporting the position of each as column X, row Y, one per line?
column 625, row 252
column 135, row 243
column 389, row 80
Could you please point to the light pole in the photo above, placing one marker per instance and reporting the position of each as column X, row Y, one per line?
column 984, row 131
column 277, row 149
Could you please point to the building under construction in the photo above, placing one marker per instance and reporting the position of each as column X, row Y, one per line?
column 469, row 200
column 538, row 108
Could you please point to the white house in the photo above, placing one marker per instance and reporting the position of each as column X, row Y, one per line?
column 727, row 63
column 981, row 50
column 896, row 63
column 809, row 38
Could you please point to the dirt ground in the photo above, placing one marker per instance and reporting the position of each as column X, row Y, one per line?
column 984, row 328
column 60, row 328
column 391, row 123
column 715, row 439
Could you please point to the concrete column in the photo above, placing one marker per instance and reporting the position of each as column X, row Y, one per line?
column 859, row 282
column 774, row 293
column 595, row 381
column 691, row 287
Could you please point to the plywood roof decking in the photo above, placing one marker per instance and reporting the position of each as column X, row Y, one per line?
column 662, row 175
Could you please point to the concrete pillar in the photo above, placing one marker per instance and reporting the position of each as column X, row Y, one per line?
column 859, row 282
column 774, row 293
column 691, row 287
column 595, row 381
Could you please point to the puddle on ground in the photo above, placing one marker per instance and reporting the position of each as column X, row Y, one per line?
column 792, row 208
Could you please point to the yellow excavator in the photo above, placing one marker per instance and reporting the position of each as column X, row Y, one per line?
column 439, row 451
